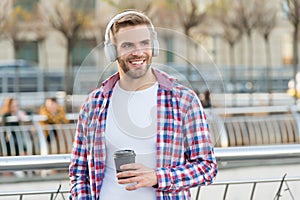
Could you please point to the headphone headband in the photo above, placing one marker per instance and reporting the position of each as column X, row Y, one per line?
column 109, row 48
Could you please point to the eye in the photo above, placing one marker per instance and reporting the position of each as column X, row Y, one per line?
column 126, row 45
column 146, row 43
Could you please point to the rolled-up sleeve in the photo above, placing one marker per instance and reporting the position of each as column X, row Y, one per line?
column 199, row 166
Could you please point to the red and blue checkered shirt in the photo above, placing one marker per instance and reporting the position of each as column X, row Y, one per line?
column 184, row 151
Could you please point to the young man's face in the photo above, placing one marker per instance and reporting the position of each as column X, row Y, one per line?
column 134, row 49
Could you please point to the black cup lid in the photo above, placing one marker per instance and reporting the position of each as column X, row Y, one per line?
column 124, row 152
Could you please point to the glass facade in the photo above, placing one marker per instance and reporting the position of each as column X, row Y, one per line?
column 28, row 5
column 28, row 50
column 84, row 5
column 81, row 49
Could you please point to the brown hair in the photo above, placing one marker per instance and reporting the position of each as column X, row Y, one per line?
column 53, row 99
column 7, row 105
column 131, row 19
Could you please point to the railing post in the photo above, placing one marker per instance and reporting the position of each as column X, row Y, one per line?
column 296, row 116
column 214, row 118
column 278, row 194
column 40, row 79
column 253, row 189
column 42, row 138
column 225, row 191
column 198, row 193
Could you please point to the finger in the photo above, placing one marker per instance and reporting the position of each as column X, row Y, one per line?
column 131, row 187
column 139, row 184
column 135, row 187
column 127, row 180
column 127, row 174
column 133, row 166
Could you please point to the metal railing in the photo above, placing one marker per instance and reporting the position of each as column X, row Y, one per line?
column 254, row 183
column 29, row 138
column 264, row 154
column 254, row 125
column 261, row 126
column 227, row 157
column 258, row 155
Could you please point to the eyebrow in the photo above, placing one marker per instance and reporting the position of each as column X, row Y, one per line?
column 142, row 41
column 147, row 40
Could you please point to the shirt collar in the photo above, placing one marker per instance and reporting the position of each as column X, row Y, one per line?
column 164, row 81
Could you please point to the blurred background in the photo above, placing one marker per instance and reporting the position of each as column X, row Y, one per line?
column 254, row 45
column 240, row 55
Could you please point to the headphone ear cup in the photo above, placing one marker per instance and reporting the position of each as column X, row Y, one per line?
column 155, row 50
column 110, row 52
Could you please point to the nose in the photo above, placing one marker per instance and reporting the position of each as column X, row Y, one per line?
column 138, row 50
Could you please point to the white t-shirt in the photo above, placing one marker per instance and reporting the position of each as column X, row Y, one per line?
column 131, row 124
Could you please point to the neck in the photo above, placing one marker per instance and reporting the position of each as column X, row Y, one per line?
column 141, row 83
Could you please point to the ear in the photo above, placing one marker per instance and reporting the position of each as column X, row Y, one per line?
column 110, row 52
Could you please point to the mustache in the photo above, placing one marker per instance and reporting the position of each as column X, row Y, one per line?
column 137, row 57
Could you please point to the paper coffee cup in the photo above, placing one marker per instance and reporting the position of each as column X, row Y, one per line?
column 123, row 157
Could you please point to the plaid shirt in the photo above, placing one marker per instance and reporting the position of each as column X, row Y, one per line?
column 185, row 156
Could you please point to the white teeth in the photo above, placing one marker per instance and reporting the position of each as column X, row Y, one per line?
column 137, row 62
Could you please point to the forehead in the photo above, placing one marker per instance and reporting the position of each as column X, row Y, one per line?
column 133, row 34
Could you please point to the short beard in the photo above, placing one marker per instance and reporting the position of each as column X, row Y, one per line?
column 134, row 74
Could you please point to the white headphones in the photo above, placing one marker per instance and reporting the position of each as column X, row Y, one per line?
column 110, row 49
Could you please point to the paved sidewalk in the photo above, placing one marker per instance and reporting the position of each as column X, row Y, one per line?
column 263, row 191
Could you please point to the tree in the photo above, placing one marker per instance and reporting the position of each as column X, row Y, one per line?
column 224, row 16
column 267, row 22
column 247, row 20
column 292, row 10
column 18, row 24
column 143, row 6
column 71, row 23
column 190, row 16
column 22, row 25
column 4, row 13
column 162, row 15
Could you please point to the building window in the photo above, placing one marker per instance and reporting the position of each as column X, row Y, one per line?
column 28, row 5
column 81, row 49
column 83, row 5
column 27, row 50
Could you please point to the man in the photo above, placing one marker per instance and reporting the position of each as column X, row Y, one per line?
column 143, row 109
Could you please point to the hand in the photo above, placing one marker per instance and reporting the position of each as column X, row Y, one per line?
column 137, row 173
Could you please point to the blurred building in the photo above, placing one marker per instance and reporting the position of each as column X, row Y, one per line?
column 48, row 48
column 280, row 40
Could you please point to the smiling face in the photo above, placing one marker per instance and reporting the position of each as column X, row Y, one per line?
column 134, row 49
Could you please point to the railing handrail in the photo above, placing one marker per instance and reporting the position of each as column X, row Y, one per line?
column 251, row 181
column 61, row 161
column 255, row 109
column 34, row 192
column 216, row 111
column 38, row 118
column 257, row 152
column 229, row 154
column 34, row 162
